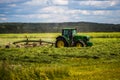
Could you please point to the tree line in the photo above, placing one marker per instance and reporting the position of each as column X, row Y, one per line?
column 56, row 27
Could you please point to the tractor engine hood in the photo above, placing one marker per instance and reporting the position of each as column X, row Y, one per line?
column 82, row 37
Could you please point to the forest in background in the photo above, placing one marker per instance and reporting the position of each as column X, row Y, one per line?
column 56, row 27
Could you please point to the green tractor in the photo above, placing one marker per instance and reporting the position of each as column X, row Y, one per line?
column 69, row 38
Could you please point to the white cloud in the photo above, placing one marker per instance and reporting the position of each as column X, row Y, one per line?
column 33, row 16
column 60, row 2
column 54, row 9
column 36, row 2
column 101, row 12
column 9, row 1
column 12, row 5
column 3, row 19
column 84, row 12
column 63, row 10
column 99, row 3
column 72, row 15
column 69, row 12
column 109, row 13
column 45, row 2
column 2, row 14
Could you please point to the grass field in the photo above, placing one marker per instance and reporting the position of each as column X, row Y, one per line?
column 99, row 62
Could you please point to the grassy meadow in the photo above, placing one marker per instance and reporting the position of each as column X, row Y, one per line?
column 99, row 62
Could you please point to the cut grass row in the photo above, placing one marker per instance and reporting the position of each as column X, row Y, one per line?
column 103, row 48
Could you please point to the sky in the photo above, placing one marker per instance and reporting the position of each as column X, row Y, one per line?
column 38, row 11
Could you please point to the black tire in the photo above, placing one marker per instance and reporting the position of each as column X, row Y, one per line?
column 60, row 42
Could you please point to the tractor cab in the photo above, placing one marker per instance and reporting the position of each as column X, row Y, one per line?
column 69, row 33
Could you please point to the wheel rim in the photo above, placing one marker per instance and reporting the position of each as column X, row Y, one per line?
column 78, row 45
column 60, row 44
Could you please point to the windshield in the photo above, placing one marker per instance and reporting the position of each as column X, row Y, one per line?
column 73, row 32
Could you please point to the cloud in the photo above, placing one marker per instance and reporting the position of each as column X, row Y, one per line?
column 46, row 2
column 60, row 2
column 3, row 19
column 110, row 13
column 36, row 2
column 2, row 14
column 12, row 5
column 67, row 11
column 100, row 3
column 9, row 1
column 101, row 12
column 54, row 9
column 63, row 10
column 36, row 16
column 60, row 10
column 108, row 16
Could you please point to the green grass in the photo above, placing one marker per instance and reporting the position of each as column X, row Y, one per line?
column 53, row 35
column 103, row 34
column 99, row 62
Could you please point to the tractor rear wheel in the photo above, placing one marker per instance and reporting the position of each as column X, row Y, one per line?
column 60, row 43
column 79, row 44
